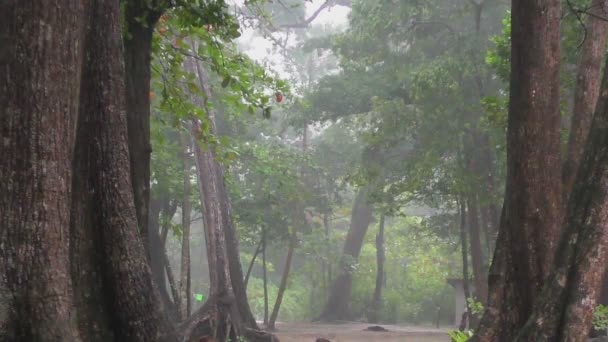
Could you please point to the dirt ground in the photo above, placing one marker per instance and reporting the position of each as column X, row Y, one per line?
column 354, row 332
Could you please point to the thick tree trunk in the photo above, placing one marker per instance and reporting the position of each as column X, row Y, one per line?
column 587, row 90
column 283, row 285
column 377, row 298
column 184, row 283
column 124, row 267
column 40, row 56
column 479, row 273
column 338, row 304
column 564, row 310
column 531, row 219
column 108, row 263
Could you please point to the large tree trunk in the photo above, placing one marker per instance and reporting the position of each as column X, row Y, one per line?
column 380, row 276
column 338, row 304
column 108, row 263
column 587, row 90
column 283, row 285
column 186, row 212
column 39, row 91
column 530, row 224
column 479, row 273
column 123, row 264
column 564, row 309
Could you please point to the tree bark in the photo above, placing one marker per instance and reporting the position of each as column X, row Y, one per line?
column 479, row 273
column 465, row 261
column 157, row 257
column 140, row 19
column 227, row 306
column 283, row 285
column 564, row 310
column 232, row 245
column 257, row 251
column 377, row 298
column 108, row 262
column 186, row 213
column 265, row 278
column 124, row 267
column 39, row 91
column 338, row 304
column 533, row 194
column 586, row 91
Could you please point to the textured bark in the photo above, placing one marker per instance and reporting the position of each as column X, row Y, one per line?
column 283, row 284
column 533, row 193
column 140, row 18
column 586, row 91
column 380, row 276
column 186, row 213
column 479, row 273
column 40, row 51
column 338, row 304
column 564, row 310
column 124, row 268
column 108, row 263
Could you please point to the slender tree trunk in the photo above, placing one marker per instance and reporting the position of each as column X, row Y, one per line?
column 531, row 217
column 39, row 91
column 265, row 279
column 465, row 261
column 338, row 304
column 227, row 306
column 257, row 251
column 232, row 245
column 377, row 298
column 564, row 310
column 186, row 213
column 156, row 254
column 283, row 285
column 479, row 273
column 327, row 263
column 173, row 285
column 586, row 91
column 140, row 19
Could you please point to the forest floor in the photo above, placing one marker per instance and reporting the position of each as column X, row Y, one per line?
column 355, row 332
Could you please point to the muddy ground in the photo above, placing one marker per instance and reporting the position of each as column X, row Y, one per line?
column 355, row 332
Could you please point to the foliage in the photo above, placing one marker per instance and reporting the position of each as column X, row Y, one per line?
column 600, row 318
column 460, row 336
column 476, row 307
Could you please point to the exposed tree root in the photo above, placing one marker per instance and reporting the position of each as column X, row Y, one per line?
column 219, row 320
